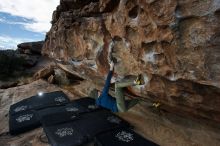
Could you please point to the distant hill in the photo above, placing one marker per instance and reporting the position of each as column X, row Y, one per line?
column 2, row 48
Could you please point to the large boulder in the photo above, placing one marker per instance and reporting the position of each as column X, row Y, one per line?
column 175, row 44
column 31, row 47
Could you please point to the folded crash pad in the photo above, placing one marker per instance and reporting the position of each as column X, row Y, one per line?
column 58, row 118
column 48, row 99
column 122, row 137
column 21, row 106
column 76, row 108
column 22, row 122
column 85, row 126
column 88, row 103
column 24, row 116
column 91, row 124
column 50, row 111
column 72, row 107
column 39, row 102
column 64, row 135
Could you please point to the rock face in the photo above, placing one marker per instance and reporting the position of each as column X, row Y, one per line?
column 175, row 44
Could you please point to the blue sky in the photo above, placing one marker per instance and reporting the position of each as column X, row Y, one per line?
column 12, row 31
column 24, row 21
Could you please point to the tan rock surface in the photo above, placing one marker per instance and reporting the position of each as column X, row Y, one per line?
column 45, row 72
column 170, row 130
column 174, row 43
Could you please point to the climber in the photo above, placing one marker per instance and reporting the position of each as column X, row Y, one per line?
column 117, row 104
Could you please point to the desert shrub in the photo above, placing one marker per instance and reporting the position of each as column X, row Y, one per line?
column 10, row 65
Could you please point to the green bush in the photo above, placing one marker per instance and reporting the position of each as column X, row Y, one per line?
column 10, row 66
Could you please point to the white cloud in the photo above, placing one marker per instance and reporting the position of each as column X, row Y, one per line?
column 40, row 11
column 35, row 27
column 8, row 42
column 2, row 20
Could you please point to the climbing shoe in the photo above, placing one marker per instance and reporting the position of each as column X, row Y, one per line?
column 139, row 80
column 156, row 104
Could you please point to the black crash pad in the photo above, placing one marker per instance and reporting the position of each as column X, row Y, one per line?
column 58, row 118
column 39, row 102
column 91, row 124
column 122, row 137
column 86, row 125
column 88, row 103
column 72, row 107
column 50, row 111
column 23, row 115
column 48, row 99
column 77, row 108
column 64, row 135
column 22, row 122
column 20, row 106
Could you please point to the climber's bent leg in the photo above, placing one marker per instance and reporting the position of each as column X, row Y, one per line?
column 119, row 93
column 124, row 84
column 120, row 99
column 131, row 103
